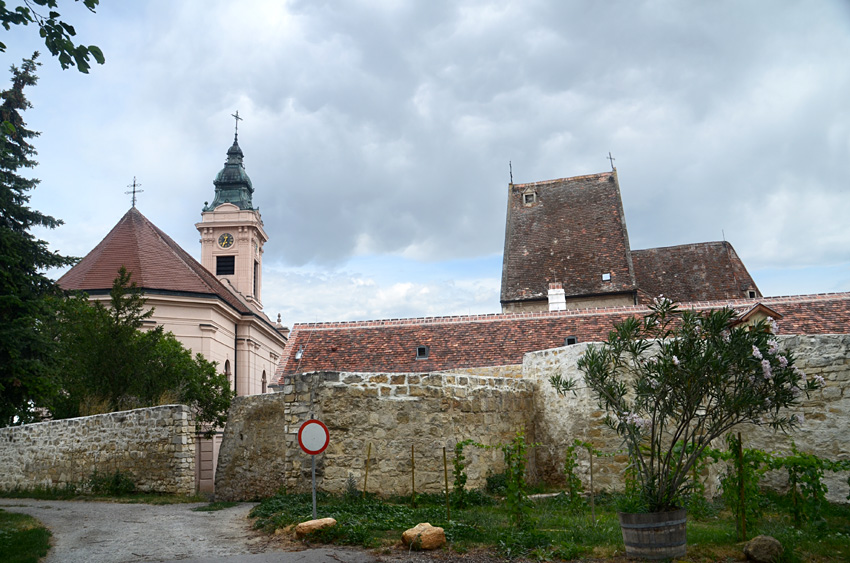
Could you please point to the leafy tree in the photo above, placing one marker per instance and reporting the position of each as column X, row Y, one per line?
column 56, row 33
column 676, row 380
column 25, row 349
column 108, row 363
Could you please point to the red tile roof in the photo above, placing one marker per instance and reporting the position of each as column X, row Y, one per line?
column 707, row 271
column 503, row 339
column 573, row 233
column 156, row 262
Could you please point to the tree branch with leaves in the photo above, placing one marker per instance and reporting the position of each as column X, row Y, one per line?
column 57, row 33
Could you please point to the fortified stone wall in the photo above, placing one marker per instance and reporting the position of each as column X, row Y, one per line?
column 490, row 371
column 560, row 420
column 825, row 431
column 154, row 446
column 392, row 412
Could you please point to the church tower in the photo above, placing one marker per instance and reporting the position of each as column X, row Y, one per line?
column 232, row 234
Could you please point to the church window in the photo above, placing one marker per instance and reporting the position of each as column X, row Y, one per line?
column 264, row 381
column 422, row 352
column 225, row 265
column 256, row 278
column 570, row 340
column 227, row 372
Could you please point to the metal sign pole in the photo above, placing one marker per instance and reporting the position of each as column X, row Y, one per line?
column 313, row 437
column 314, row 487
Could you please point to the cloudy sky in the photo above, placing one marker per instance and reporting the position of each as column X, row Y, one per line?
column 378, row 134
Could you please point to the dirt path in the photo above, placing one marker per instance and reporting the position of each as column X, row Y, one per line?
column 103, row 531
column 95, row 532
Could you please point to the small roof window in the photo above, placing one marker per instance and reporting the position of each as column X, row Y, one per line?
column 606, row 276
column 529, row 198
column 422, row 352
column 570, row 340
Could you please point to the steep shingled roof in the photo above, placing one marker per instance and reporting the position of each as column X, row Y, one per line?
column 503, row 339
column 573, row 232
column 707, row 271
column 156, row 263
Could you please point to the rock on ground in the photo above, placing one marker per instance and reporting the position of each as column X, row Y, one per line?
column 311, row 526
column 424, row 536
column 763, row 549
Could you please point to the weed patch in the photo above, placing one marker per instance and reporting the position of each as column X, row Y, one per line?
column 562, row 529
column 215, row 506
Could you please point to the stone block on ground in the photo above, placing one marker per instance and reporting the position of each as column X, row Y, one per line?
column 424, row 536
column 310, row 526
column 763, row 549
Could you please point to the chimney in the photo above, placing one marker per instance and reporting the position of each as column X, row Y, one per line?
column 557, row 301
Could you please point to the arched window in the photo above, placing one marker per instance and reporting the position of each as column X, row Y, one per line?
column 227, row 371
column 264, row 381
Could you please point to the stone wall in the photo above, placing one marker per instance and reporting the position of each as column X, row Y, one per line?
column 489, row 371
column 825, row 431
column 155, row 447
column 560, row 420
column 392, row 412
column 260, row 453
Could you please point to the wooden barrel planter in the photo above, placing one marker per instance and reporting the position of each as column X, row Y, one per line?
column 654, row 535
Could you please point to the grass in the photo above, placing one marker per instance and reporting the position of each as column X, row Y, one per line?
column 22, row 538
column 555, row 530
column 72, row 492
column 215, row 506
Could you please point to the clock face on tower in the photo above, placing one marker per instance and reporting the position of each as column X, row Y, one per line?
column 225, row 240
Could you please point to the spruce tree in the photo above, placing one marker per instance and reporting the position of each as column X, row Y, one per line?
column 25, row 348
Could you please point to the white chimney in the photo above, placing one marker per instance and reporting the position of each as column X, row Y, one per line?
column 557, row 301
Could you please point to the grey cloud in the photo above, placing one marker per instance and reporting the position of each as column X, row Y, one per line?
column 387, row 128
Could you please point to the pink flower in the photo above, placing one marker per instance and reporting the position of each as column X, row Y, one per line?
column 675, row 361
column 774, row 328
column 783, row 361
column 633, row 418
column 819, row 380
column 765, row 367
column 756, row 352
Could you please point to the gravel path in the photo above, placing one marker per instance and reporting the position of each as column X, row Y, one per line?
column 90, row 532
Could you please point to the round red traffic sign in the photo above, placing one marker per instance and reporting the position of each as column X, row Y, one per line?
column 313, row 436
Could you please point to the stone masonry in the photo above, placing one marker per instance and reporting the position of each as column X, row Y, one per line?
column 392, row 412
column 560, row 420
column 155, row 447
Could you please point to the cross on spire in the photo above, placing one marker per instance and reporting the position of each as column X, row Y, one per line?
column 238, row 119
column 135, row 185
column 612, row 159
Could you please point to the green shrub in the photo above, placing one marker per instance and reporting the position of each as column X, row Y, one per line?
column 574, row 486
column 116, row 484
column 496, row 484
